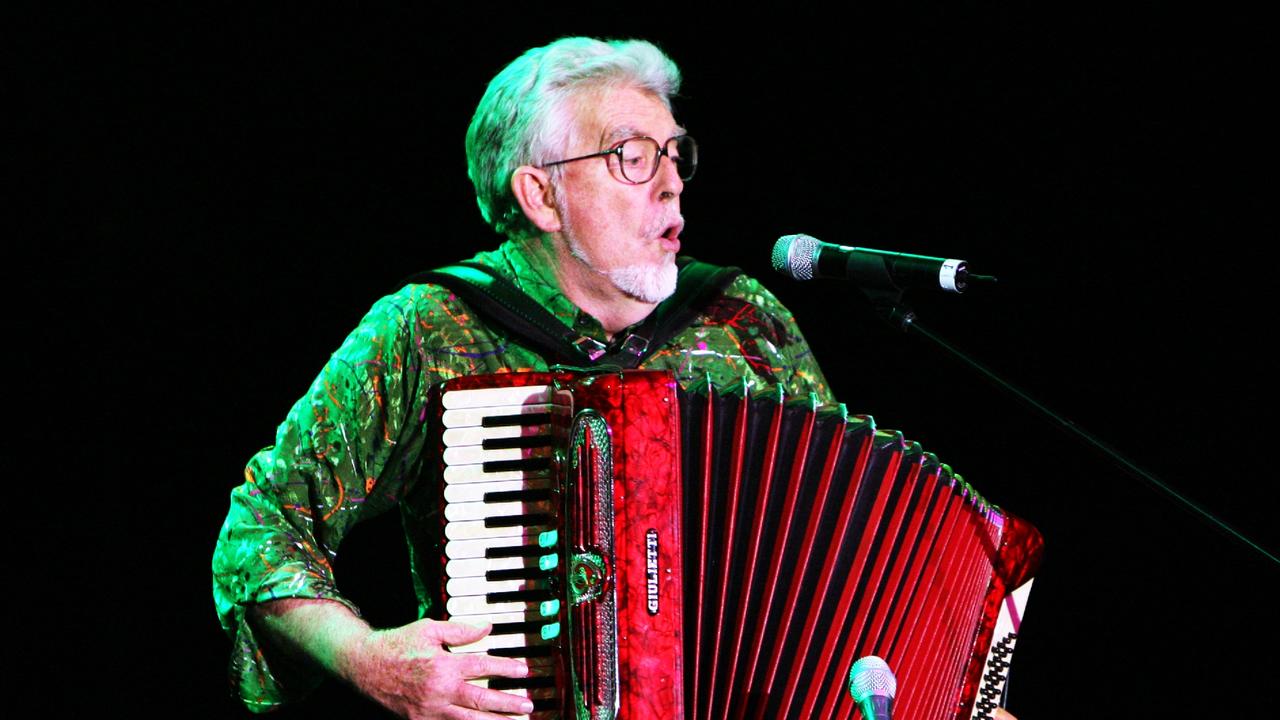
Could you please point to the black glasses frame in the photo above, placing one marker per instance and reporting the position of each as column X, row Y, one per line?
column 663, row 149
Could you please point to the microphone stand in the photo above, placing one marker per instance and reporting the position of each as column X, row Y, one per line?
column 890, row 307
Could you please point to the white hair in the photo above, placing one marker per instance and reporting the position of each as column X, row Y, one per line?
column 525, row 117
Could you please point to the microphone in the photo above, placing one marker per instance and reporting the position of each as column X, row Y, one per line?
column 873, row 686
column 803, row 257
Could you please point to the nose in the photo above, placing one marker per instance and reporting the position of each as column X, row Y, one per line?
column 667, row 182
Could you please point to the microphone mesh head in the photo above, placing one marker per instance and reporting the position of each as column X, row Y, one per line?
column 794, row 255
column 871, row 676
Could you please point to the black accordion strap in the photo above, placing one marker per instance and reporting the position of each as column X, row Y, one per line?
column 506, row 306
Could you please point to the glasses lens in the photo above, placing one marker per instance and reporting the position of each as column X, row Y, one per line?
column 684, row 152
column 637, row 159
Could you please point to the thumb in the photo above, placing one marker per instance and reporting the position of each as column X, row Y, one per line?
column 456, row 633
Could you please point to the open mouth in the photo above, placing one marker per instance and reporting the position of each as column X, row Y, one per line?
column 670, row 237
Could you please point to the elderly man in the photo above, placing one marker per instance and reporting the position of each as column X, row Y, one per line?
column 577, row 159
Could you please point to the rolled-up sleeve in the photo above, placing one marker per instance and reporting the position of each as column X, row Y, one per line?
column 347, row 451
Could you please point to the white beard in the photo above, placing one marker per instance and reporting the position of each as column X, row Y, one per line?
column 646, row 283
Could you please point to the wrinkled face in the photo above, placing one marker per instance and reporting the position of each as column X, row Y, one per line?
column 627, row 233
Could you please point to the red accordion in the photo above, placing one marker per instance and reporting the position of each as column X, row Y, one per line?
column 717, row 553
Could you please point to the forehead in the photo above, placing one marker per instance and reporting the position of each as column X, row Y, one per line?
column 603, row 116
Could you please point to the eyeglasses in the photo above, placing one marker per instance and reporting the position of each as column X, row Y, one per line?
column 635, row 160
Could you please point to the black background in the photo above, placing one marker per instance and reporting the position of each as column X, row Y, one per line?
column 218, row 196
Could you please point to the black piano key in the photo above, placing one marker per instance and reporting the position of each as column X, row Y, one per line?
column 526, row 520
column 525, row 683
column 532, row 651
column 519, row 496
column 543, row 418
column 525, row 464
column 524, row 441
column 526, row 573
column 518, row 628
column 517, row 551
column 521, row 596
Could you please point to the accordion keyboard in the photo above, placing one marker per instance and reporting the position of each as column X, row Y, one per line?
column 502, row 527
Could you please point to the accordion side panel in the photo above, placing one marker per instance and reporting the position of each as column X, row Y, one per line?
column 589, row 512
column 642, row 414
column 1020, row 551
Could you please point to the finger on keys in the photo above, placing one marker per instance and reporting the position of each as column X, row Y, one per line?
column 455, row 633
column 481, row 665
column 493, row 700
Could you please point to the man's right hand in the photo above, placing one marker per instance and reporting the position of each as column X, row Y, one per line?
column 406, row 669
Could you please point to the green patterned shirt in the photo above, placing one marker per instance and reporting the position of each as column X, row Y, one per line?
column 349, row 448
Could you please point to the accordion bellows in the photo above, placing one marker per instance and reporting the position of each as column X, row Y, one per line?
column 717, row 553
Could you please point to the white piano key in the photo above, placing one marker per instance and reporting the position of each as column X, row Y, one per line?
column 475, row 530
column 460, row 549
column 455, row 512
column 495, row 618
column 476, row 473
column 475, row 492
column 458, row 437
column 540, row 611
column 476, row 567
column 538, row 666
column 479, row 604
column 459, row 587
column 488, row 397
column 529, row 693
column 489, row 642
column 476, row 547
column 540, row 692
column 473, row 454
column 473, row 417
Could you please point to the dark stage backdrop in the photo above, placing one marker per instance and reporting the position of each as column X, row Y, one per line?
column 220, row 197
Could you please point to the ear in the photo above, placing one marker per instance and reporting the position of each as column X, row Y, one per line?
column 533, row 190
